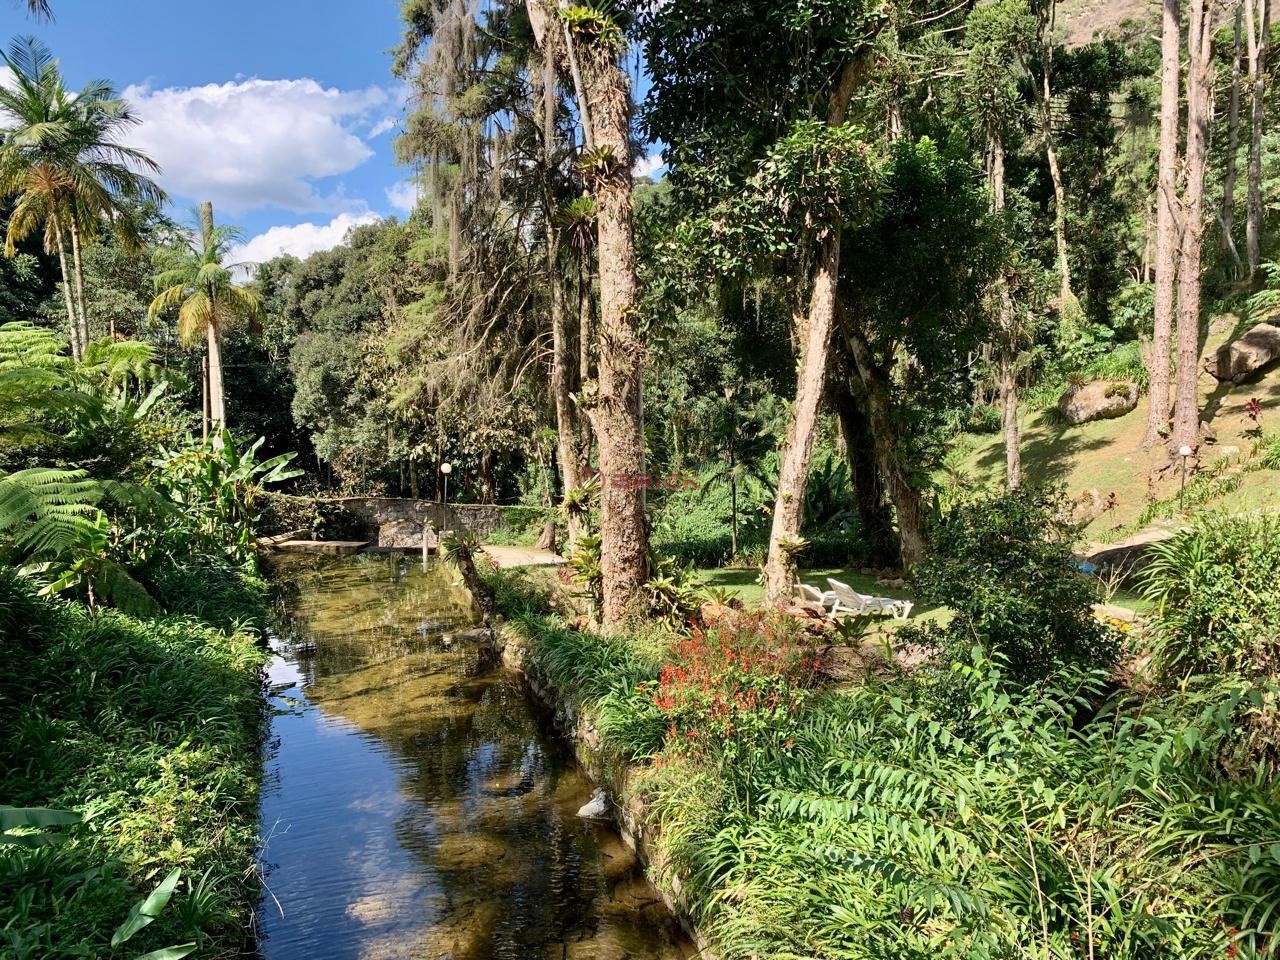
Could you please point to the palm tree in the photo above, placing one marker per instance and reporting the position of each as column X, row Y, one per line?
column 201, row 287
column 61, row 158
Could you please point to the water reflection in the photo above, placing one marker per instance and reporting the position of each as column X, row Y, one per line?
column 415, row 807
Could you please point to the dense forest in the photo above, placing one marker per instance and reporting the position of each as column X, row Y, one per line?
column 882, row 233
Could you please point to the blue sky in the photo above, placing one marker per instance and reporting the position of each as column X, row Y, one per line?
column 282, row 112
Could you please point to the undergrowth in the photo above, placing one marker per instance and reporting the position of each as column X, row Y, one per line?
column 151, row 730
column 973, row 808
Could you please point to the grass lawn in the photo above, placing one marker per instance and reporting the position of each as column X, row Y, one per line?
column 746, row 585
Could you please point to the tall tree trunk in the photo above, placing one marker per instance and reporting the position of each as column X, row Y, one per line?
column 79, row 269
column 815, row 342
column 1186, row 410
column 1259, row 28
column 1008, row 332
column 1158, row 363
column 903, row 493
column 585, row 301
column 1227, row 213
column 1044, row 99
column 73, row 318
column 563, row 362
column 624, row 548
column 875, row 519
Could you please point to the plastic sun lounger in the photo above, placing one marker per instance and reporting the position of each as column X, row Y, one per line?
column 809, row 594
column 849, row 600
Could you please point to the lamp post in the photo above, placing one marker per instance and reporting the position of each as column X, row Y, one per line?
column 1185, row 453
column 446, row 468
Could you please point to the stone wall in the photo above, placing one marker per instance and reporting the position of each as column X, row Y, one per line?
column 394, row 522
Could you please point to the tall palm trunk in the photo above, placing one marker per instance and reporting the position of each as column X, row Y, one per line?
column 1259, row 29
column 1158, row 363
column 213, row 331
column 1186, row 411
column 624, row 547
column 73, row 319
column 83, row 310
column 217, row 396
column 815, row 342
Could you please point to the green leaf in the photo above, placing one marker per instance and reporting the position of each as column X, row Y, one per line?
column 147, row 910
column 169, row 953
column 40, row 817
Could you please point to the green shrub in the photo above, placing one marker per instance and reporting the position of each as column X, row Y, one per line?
column 1216, row 587
column 213, row 591
column 1004, row 564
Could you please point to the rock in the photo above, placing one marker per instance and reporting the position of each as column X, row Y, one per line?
column 1098, row 400
column 1240, row 359
column 597, row 808
column 895, row 582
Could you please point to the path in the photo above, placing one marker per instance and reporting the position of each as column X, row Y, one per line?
column 507, row 557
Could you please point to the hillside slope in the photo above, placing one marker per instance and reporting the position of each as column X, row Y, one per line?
column 1097, row 460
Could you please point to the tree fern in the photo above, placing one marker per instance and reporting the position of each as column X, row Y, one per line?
column 46, row 511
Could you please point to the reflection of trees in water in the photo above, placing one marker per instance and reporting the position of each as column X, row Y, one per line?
column 493, row 799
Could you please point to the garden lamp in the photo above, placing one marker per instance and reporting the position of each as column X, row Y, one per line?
column 1185, row 453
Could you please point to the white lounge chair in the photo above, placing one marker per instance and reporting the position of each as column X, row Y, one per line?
column 849, row 600
column 824, row 598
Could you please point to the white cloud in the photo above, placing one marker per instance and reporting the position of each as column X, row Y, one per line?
column 648, row 166
column 301, row 240
column 256, row 143
column 403, row 196
column 385, row 125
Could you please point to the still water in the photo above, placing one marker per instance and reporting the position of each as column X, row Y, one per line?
column 417, row 804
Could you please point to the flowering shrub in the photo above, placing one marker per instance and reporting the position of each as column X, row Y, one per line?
column 735, row 690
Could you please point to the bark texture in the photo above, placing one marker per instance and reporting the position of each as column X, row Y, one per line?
column 1186, row 412
column 624, row 548
column 815, row 341
column 1158, row 361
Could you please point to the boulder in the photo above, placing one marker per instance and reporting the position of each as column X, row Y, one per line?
column 597, row 808
column 1098, row 400
column 1240, row 359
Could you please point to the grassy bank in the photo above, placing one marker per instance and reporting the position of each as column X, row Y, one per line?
column 151, row 730
column 1014, row 798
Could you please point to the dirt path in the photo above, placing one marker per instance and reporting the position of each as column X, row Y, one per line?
column 506, row 557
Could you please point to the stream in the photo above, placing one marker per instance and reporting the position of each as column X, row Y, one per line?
column 417, row 803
